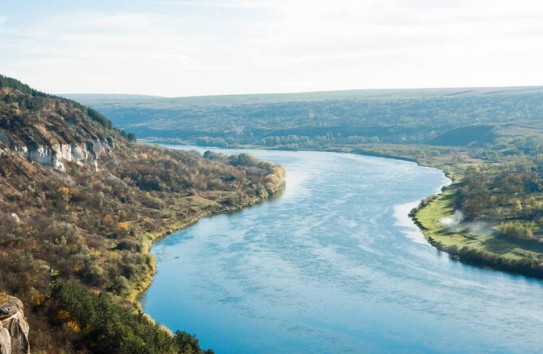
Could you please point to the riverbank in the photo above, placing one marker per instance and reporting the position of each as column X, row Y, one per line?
column 483, row 247
column 274, row 184
column 329, row 259
column 476, row 242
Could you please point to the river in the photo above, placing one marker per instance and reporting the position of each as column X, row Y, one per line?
column 334, row 265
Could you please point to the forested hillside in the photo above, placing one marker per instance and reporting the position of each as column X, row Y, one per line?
column 489, row 141
column 447, row 117
column 81, row 204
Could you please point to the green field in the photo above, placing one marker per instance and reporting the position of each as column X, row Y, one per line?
column 477, row 242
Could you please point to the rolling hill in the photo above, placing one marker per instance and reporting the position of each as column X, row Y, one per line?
column 450, row 117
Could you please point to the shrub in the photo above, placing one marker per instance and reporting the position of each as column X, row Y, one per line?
column 517, row 229
column 105, row 327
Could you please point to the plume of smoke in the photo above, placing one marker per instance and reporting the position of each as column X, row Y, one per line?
column 456, row 223
column 454, row 220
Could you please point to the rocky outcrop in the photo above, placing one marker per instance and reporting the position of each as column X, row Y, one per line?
column 56, row 154
column 13, row 327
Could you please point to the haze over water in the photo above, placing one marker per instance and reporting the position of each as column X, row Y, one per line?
column 334, row 265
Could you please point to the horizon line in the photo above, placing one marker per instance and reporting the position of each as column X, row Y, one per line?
column 304, row 92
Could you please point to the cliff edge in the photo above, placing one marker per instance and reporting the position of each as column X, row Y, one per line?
column 51, row 130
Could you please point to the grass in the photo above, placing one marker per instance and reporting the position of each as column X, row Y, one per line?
column 3, row 297
column 430, row 216
column 477, row 247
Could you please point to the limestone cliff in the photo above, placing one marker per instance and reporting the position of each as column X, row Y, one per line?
column 13, row 326
column 56, row 155
column 52, row 130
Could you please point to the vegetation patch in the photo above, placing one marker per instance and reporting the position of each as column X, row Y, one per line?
column 98, row 324
column 478, row 242
column 67, row 236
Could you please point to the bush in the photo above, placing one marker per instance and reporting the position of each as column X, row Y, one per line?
column 517, row 229
column 104, row 327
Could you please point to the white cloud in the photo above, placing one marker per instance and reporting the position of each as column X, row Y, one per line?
column 225, row 4
column 262, row 46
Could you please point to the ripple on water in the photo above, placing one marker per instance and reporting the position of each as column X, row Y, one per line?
column 336, row 266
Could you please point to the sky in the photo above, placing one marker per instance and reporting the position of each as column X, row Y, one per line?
column 209, row 47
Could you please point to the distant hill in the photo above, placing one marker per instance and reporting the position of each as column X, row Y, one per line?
column 465, row 136
column 320, row 119
column 378, row 94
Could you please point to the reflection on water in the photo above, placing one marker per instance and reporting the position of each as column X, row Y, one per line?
column 335, row 266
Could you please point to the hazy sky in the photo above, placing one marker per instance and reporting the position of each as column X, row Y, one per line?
column 192, row 47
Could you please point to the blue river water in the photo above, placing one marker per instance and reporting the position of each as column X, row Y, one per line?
column 334, row 265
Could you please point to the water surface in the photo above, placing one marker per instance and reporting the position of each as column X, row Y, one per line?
column 335, row 266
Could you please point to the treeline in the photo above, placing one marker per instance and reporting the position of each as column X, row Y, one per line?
column 18, row 85
column 98, row 324
column 31, row 121
column 318, row 123
column 508, row 192
column 31, row 117
column 22, row 96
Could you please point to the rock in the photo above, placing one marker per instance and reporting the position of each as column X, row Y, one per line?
column 56, row 154
column 4, row 139
column 18, row 329
column 15, row 218
column 5, row 340
column 10, row 307
column 13, row 327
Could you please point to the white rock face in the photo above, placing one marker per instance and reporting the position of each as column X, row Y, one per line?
column 56, row 154
column 5, row 340
column 43, row 155
column 20, row 149
column 13, row 328
column 79, row 153
column 15, row 218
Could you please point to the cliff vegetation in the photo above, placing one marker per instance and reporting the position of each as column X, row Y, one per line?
column 80, row 206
